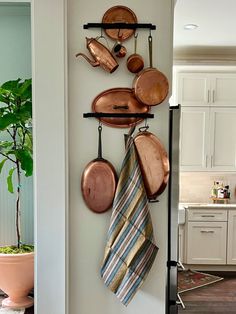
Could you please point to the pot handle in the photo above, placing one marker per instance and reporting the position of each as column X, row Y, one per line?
column 150, row 49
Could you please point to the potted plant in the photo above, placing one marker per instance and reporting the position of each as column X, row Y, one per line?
column 16, row 260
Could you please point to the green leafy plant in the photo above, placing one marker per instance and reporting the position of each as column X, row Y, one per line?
column 16, row 127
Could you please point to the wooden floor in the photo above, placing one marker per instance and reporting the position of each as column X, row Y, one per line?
column 219, row 297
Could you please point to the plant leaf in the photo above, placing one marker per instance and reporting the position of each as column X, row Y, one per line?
column 7, row 120
column 26, row 161
column 9, row 180
column 2, row 164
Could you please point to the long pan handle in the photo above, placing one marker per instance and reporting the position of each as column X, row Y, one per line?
column 150, row 49
column 99, row 142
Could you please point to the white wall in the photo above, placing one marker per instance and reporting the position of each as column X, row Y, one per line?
column 87, row 230
column 15, row 62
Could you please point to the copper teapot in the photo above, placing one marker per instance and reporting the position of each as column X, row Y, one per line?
column 101, row 55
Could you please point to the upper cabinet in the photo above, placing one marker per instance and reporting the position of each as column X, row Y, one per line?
column 208, row 139
column 207, row 89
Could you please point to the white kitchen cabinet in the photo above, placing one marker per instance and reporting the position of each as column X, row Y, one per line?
column 206, row 243
column 210, row 236
column 194, row 133
column 208, row 139
column 231, row 252
column 206, row 240
column 207, row 89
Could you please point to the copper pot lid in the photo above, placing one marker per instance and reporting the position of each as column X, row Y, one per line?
column 118, row 100
column 119, row 14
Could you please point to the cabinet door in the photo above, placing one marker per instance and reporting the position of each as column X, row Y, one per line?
column 223, row 139
column 223, row 91
column 206, row 243
column 231, row 249
column 194, row 136
column 193, row 89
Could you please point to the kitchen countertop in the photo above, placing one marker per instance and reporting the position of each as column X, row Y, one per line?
column 206, row 205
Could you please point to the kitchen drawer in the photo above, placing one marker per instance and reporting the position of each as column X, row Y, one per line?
column 205, row 214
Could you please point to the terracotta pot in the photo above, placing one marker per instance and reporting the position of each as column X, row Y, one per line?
column 17, row 279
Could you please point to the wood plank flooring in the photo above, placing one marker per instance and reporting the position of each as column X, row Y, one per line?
column 219, row 297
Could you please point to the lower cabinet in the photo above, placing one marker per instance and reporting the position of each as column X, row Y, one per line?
column 206, row 242
column 231, row 249
column 210, row 236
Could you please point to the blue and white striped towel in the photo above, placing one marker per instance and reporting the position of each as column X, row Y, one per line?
column 130, row 250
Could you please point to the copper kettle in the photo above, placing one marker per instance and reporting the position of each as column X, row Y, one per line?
column 101, row 55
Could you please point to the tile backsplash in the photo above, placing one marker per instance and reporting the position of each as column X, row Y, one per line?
column 195, row 187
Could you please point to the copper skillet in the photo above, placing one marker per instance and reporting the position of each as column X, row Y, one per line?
column 153, row 160
column 98, row 183
column 150, row 85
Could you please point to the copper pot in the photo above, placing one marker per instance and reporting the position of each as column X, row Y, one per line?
column 135, row 62
column 154, row 163
column 98, row 183
column 150, row 85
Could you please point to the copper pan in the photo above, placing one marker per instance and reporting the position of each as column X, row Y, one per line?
column 150, row 85
column 98, row 183
column 119, row 14
column 118, row 100
column 153, row 162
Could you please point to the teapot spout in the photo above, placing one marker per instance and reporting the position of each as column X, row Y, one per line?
column 94, row 63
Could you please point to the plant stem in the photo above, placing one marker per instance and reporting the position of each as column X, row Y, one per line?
column 18, row 205
column 8, row 157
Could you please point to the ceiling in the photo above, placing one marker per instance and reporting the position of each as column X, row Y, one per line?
column 216, row 32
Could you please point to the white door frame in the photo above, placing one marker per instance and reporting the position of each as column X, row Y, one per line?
column 49, row 75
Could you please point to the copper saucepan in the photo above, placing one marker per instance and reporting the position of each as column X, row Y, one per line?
column 154, row 163
column 135, row 62
column 98, row 183
column 150, row 85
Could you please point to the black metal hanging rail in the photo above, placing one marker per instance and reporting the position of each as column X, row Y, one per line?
column 119, row 25
column 118, row 115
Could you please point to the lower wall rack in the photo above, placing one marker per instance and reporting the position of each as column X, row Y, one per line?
column 118, row 115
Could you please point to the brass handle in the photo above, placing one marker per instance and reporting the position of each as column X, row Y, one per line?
column 207, row 215
column 207, row 231
column 120, row 107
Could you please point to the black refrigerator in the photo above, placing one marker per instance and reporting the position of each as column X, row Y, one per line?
column 173, row 203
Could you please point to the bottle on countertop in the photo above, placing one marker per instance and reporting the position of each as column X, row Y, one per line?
column 226, row 192
column 214, row 190
column 220, row 191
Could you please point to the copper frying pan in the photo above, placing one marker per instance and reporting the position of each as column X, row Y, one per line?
column 98, row 183
column 153, row 162
column 150, row 85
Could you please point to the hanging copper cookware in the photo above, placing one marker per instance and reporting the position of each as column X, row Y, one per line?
column 153, row 162
column 118, row 100
column 135, row 62
column 119, row 14
column 98, row 183
column 101, row 56
column 150, row 85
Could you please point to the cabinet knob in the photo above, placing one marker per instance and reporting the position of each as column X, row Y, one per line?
column 207, row 231
column 208, row 216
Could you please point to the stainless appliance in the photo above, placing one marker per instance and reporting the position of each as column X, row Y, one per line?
column 173, row 203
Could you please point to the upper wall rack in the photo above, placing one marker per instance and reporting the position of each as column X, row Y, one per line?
column 119, row 25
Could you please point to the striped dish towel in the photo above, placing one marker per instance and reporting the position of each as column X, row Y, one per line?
column 130, row 250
